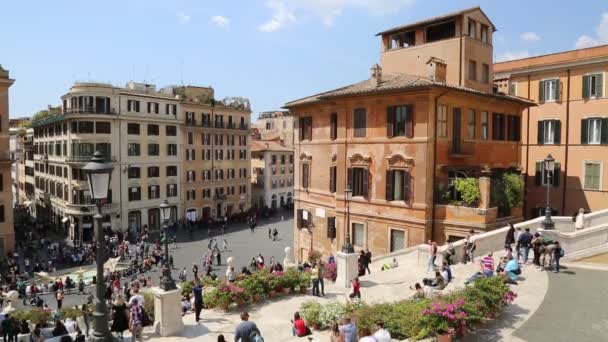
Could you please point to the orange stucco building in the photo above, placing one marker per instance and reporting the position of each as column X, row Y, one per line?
column 426, row 116
column 7, row 231
column 570, row 123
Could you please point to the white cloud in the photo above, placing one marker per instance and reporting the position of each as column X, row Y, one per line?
column 511, row 55
column 220, row 21
column 585, row 41
column 183, row 18
column 530, row 36
column 286, row 12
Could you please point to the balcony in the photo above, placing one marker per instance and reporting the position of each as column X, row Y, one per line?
column 461, row 149
column 86, row 159
column 219, row 125
column 90, row 110
column 191, row 122
column 219, row 197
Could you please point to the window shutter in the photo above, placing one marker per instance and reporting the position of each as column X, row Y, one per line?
column 538, row 176
column 556, row 174
column 389, row 185
column 541, row 132
column 541, row 91
column 300, row 218
column 309, row 128
column 390, row 122
column 585, row 131
column 332, row 179
column 604, row 131
column 334, row 126
column 409, row 121
column 349, row 179
column 558, row 132
column 365, row 183
column 301, row 130
column 517, row 128
column 558, row 90
column 331, row 227
column 406, row 186
column 586, row 87
column 599, row 85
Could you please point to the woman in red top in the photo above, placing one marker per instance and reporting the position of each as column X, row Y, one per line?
column 356, row 287
column 299, row 326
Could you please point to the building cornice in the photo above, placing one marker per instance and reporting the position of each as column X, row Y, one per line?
column 550, row 67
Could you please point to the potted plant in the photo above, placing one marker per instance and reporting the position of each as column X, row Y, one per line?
column 443, row 319
column 331, row 271
column 254, row 287
column 304, row 282
column 275, row 282
column 311, row 312
column 216, row 298
column 291, row 280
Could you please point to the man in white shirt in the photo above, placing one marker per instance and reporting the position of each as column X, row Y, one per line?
column 381, row 334
column 70, row 325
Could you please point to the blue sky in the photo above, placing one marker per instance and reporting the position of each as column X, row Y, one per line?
column 271, row 51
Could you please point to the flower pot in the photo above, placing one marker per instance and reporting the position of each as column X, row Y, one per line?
column 444, row 338
column 272, row 293
column 240, row 302
column 225, row 306
column 256, row 298
column 279, row 290
column 303, row 290
column 286, row 290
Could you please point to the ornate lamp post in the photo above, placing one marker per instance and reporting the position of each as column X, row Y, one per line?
column 98, row 174
column 348, row 247
column 549, row 168
column 166, row 283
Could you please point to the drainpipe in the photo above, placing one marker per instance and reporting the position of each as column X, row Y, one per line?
column 435, row 164
column 525, row 206
column 459, row 73
column 567, row 126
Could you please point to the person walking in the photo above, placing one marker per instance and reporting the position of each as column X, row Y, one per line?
column 510, row 237
column 120, row 318
column 432, row 256
column 225, row 246
column 321, row 268
column 275, row 233
column 524, row 241
column 368, row 260
column 136, row 321
column 314, row 276
column 195, row 271
column 218, row 256
column 246, row 330
column 558, row 253
column 59, row 296
column 197, row 293
column 269, row 233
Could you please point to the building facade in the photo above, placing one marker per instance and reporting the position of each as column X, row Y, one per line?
column 272, row 171
column 7, row 231
column 216, row 156
column 570, row 123
column 22, row 152
column 426, row 117
column 277, row 126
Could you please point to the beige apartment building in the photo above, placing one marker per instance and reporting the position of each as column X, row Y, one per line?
column 7, row 232
column 272, row 171
column 570, row 123
column 399, row 140
column 137, row 130
column 216, row 157
column 277, row 126
column 23, row 166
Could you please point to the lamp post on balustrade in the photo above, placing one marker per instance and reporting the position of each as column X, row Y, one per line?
column 549, row 164
column 166, row 283
column 348, row 246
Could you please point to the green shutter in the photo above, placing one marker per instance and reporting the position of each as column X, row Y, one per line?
column 406, row 186
column 586, row 87
column 541, row 91
column 365, row 183
column 604, row 131
column 558, row 132
column 557, row 90
column 538, row 176
column 556, row 174
column 599, row 85
column 541, row 133
column 584, row 131
column 389, row 185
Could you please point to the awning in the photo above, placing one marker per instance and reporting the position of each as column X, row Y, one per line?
column 64, row 220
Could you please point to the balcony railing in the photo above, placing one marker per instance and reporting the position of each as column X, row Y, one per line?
column 89, row 110
column 86, row 159
column 461, row 148
column 219, row 197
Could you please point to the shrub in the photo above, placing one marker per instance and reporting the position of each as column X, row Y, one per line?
column 402, row 319
column 187, row 287
column 304, row 280
column 214, row 298
column 149, row 305
column 331, row 271
column 311, row 312
column 469, row 190
column 443, row 318
column 254, row 285
column 291, row 278
column 314, row 256
column 514, row 189
column 39, row 316
column 332, row 312
column 72, row 313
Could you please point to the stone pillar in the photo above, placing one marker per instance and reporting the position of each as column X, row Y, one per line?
column 168, row 311
column 347, row 268
column 484, row 188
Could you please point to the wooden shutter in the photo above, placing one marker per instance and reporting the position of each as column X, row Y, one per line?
column 541, row 91
column 300, row 218
column 349, row 178
column 389, row 185
column 332, row 179
column 538, row 176
column 309, row 128
column 556, row 174
column 586, row 87
column 558, row 132
column 558, row 90
column 599, row 85
column 331, row 227
column 584, row 131
column 541, row 132
column 305, row 176
column 365, row 183
column 409, row 121
column 406, row 186
column 604, row 132
column 390, row 122
column 334, row 126
column 301, row 129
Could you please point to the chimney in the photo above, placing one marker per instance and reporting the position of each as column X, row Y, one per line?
column 437, row 69
column 375, row 75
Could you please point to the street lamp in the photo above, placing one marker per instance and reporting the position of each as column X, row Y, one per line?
column 98, row 174
column 549, row 169
column 166, row 283
column 348, row 247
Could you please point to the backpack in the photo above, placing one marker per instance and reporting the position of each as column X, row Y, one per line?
column 561, row 252
column 256, row 337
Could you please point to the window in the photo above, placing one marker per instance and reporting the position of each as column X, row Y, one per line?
column 400, row 121
column 594, row 131
column 358, row 234
column 206, row 193
column 402, row 40
column 133, row 150
column 171, row 171
column 153, row 107
column 397, row 185
column 305, row 175
column 134, row 194
column 332, row 179
column 513, row 128
column 498, row 126
column 190, row 194
column 153, row 192
column 471, row 124
column 133, row 106
column 153, row 171
column 306, row 128
column 472, row 29
column 484, row 125
column 485, row 73
column 442, row 122
column 331, row 227
column 171, row 149
column 472, row 70
column 190, row 154
column 134, row 172
column 153, row 149
column 484, row 33
column 548, row 90
column 282, row 159
column 358, row 179
column 593, row 86
column 549, row 132
column 191, row 176
column 2, row 219
column 191, row 138
column 541, row 174
column 273, row 159
column 441, row 31
column 333, row 129
column 359, row 122
column 133, row 128
column 171, row 109
column 152, row 129
column 102, row 127
column 592, row 176
column 513, row 89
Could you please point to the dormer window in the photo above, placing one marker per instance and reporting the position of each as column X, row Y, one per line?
column 402, row 40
